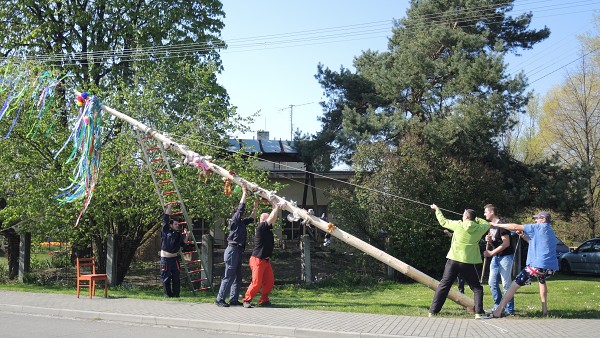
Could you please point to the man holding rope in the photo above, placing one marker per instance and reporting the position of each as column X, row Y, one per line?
column 541, row 258
column 463, row 258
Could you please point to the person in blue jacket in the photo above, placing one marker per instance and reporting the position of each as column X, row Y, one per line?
column 541, row 258
column 171, row 241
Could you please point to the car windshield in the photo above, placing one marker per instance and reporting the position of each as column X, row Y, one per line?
column 589, row 246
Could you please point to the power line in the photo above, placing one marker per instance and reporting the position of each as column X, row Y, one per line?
column 387, row 194
column 565, row 65
column 298, row 38
column 437, row 228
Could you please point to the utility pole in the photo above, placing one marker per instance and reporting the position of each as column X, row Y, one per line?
column 291, row 121
column 291, row 107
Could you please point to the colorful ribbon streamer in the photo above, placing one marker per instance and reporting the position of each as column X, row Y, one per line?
column 86, row 142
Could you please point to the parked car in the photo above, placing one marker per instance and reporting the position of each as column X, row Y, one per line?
column 583, row 259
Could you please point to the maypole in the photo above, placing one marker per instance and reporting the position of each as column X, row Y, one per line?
column 205, row 164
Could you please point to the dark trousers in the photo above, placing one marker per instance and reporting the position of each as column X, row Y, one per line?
column 470, row 273
column 461, row 284
column 169, row 274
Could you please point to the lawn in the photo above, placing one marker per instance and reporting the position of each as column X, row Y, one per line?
column 568, row 297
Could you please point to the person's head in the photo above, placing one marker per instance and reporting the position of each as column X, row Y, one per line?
column 263, row 217
column 175, row 225
column 490, row 211
column 469, row 215
column 543, row 217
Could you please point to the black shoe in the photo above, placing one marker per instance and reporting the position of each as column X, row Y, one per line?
column 221, row 303
column 265, row 304
column 247, row 305
column 235, row 303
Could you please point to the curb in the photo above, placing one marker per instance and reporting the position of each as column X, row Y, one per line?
column 285, row 331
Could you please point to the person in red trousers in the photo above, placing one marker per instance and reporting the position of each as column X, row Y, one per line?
column 262, row 272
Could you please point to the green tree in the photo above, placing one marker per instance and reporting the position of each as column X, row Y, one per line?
column 425, row 119
column 397, row 185
column 99, row 41
column 443, row 78
column 570, row 127
column 522, row 142
column 156, row 61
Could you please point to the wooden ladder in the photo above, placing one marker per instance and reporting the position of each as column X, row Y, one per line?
column 168, row 193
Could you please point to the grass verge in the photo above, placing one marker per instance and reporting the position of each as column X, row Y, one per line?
column 568, row 297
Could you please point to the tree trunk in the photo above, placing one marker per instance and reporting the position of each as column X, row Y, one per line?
column 125, row 254
column 99, row 248
column 12, row 252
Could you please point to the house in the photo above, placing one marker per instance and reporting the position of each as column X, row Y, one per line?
column 307, row 189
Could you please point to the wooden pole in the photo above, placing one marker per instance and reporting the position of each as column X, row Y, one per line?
column 485, row 259
column 198, row 160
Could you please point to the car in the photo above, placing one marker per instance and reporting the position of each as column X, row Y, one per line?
column 584, row 259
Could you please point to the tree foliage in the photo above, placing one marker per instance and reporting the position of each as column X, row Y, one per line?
column 423, row 122
column 153, row 60
column 394, row 181
column 443, row 77
column 570, row 127
column 99, row 41
column 522, row 142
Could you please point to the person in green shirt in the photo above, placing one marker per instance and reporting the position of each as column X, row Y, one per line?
column 464, row 258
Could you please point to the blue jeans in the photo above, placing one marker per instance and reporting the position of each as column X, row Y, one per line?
column 501, row 269
column 232, row 279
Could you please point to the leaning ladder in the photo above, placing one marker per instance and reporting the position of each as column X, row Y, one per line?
column 168, row 194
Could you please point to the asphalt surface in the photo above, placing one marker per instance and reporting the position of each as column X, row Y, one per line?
column 280, row 322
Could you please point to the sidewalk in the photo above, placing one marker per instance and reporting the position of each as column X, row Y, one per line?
column 283, row 321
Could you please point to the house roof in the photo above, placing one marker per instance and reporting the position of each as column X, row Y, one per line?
column 273, row 150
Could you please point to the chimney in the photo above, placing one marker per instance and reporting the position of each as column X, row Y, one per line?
column 262, row 135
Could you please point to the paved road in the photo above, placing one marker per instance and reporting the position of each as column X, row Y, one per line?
column 23, row 325
column 283, row 322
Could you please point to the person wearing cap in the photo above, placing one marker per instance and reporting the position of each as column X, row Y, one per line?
column 260, row 264
column 499, row 250
column 464, row 258
column 171, row 241
column 236, row 243
column 541, row 258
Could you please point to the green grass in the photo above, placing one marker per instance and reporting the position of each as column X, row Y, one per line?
column 568, row 297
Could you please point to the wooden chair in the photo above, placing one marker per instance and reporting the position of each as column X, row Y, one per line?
column 87, row 276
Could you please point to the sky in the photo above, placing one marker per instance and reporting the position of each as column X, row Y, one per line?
column 275, row 46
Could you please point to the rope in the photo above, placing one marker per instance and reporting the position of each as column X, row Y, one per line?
column 324, row 176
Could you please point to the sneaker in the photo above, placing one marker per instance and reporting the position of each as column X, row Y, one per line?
column 506, row 314
column 247, row 305
column 490, row 310
column 266, row 304
column 221, row 303
column 482, row 316
column 432, row 314
column 235, row 303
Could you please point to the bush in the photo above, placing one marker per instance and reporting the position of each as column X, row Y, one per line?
column 3, row 273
